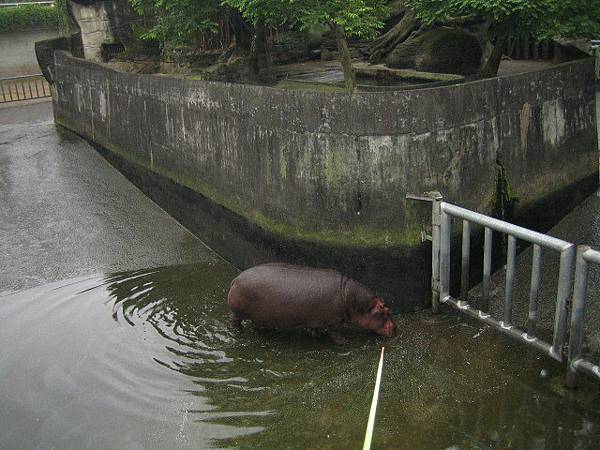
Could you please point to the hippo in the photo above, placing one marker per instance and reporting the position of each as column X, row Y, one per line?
column 285, row 296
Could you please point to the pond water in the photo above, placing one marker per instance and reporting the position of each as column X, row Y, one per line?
column 148, row 359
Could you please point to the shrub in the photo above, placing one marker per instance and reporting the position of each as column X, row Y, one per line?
column 27, row 17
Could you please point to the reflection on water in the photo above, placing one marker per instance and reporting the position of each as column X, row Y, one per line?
column 147, row 359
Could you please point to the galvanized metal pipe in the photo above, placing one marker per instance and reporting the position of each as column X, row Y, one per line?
column 563, row 292
column 511, row 258
column 577, row 314
column 509, row 330
column 445, row 235
column 507, row 228
column 487, row 263
column 581, row 365
column 466, row 252
column 435, row 251
column 534, row 290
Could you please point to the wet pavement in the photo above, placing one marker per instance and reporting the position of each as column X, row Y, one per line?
column 67, row 212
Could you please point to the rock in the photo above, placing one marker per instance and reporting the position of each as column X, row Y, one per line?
column 236, row 70
column 328, row 55
column 444, row 50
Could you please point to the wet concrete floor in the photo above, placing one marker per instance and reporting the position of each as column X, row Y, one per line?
column 67, row 212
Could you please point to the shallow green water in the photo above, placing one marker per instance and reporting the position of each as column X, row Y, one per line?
column 148, row 359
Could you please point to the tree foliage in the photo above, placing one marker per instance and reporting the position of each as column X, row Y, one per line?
column 513, row 18
column 354, row 18
column 178, row 22
column 359, row 18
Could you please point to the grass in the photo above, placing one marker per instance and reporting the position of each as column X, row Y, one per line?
column 27, row 17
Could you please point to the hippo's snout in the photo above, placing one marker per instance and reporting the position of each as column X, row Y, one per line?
column 388, row 329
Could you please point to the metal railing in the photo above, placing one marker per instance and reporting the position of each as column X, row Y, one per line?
column 441, row 237
column 25, row 87
column 15, row 4
column 585, row 256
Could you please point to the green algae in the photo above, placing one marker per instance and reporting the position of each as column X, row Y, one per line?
column 357, row 236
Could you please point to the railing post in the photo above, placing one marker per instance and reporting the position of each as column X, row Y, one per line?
column 465, row 261
column 577, row 315
column 487, row 264
column 436, row 211
column 511, row 260
column 562, row 294
column 445, row 237
column 536, row 268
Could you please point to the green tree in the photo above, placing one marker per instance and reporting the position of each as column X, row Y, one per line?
column 178, row 22
column 515, row 18
column 349, row 18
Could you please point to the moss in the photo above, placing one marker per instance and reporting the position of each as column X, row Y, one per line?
column 334, row 167
column 293, row 85
column 353, row 236
column 364, row 71
column 505, row 200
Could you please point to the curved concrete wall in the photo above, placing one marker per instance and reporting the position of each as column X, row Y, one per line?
column 334, row 169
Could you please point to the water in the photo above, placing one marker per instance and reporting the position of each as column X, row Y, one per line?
column 148, row 359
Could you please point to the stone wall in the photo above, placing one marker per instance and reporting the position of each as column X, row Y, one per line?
column 101, row 22
column 332, row 170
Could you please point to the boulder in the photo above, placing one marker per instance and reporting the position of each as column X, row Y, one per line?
column 444, row 50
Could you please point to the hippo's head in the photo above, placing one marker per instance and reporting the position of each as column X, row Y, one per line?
column 377, row 318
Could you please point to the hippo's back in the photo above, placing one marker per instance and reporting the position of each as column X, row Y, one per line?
column 287, row 296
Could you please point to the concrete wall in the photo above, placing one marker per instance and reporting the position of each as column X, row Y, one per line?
column 17, row 54
column 334, row 169
column 101, row 22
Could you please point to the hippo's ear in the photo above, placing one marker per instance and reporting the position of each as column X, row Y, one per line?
column 378, row 306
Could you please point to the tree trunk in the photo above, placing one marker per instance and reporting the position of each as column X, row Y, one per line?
column 346, row 59
column 261, row 52
column 390, row 40
column 242, row 31
column 491, row 66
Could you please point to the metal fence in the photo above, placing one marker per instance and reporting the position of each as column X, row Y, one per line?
column 585, row 256
column 10, row 4
column 26, row 87
column 442, row 216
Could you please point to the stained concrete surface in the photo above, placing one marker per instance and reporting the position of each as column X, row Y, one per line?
column 581, row 226
column 67, row 212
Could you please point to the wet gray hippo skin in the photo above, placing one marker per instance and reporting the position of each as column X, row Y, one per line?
column 284, row 296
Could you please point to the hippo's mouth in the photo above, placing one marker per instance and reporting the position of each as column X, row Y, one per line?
column 388, row 329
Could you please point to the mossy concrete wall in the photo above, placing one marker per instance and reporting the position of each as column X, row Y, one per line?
column 334, row 169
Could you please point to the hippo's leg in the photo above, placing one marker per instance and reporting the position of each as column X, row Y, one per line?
column 337, row 337
column 314, row 332
column 236, row 320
